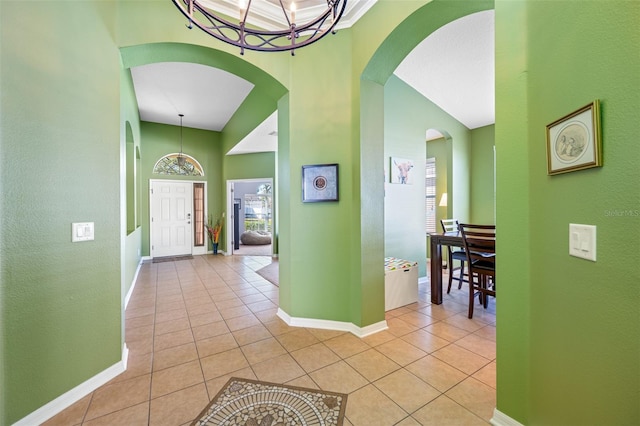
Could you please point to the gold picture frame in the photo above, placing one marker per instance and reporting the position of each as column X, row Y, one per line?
column 574, row 141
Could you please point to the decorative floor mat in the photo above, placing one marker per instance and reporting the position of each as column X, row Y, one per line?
column 244, row 402
column 171, row 258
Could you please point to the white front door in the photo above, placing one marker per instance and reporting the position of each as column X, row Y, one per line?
column 171, row 214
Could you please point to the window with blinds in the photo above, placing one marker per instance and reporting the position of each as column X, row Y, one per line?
column 430, row 195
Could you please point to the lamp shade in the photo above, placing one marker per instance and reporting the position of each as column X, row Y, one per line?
column 443, row 200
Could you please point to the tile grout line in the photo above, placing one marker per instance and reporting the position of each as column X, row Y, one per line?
column 153, row 343
column 242, row 288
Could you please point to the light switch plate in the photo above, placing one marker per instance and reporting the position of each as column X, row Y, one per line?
column 82, row 231
column 582, row 241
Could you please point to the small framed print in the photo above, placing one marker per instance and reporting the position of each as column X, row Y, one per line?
column 574, row 141
column 401, row 171
column 319, row 183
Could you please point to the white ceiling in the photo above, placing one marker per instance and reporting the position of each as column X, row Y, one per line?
column 206, row 96
column 268, row 14
column 453, row 67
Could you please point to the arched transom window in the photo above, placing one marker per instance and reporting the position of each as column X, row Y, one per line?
column 168, row 165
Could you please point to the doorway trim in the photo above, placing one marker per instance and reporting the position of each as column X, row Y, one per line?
column 229, row 216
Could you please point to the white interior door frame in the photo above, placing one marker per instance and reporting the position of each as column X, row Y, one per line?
column 229, row 216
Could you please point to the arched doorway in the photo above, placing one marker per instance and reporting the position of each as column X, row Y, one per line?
column 261, row 103
column 380, row 68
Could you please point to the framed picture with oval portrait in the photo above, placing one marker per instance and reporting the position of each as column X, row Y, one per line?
column 319, row 183
column 574, row 141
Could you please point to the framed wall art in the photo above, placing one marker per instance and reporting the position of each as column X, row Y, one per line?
column 319, row 183
column 401, row 171
column 574, row 141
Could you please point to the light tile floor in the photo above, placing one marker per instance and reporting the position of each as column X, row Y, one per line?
column 192, row 324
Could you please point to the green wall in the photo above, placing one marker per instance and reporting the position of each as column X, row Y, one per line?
column 613, row 36
column 329, row 134
column 159, row 140
column 131, row 252
column 260, row 103
column 482, row 175
column 60, row 128
column 512, row 326
column 319, row 133
column 406, row 122
column 250, row 166
column 568, row 329
column 407, row 117
column 283, row 194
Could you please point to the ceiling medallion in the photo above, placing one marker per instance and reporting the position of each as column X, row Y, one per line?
column 293, row 35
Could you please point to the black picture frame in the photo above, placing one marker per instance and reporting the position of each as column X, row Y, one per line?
column 319, row 183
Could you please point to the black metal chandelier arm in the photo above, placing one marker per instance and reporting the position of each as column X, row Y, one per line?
column 243, row 37
column 255, row 39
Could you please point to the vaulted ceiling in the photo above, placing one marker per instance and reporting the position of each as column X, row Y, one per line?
column 453, row 67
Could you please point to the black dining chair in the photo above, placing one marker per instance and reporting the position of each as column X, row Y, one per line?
column 455, row 253
column 480, row 246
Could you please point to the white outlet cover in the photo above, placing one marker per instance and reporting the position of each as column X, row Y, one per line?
column 582, row 241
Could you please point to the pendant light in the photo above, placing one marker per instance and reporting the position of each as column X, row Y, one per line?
column 181, row 159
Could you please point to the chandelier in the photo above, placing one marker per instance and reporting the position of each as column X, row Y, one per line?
column 293, row 34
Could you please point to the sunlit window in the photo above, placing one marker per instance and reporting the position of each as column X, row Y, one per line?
column 430, row 195
column 168, row 165
column 258, row 209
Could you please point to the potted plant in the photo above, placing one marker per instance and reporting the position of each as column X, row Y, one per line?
column 213, row 230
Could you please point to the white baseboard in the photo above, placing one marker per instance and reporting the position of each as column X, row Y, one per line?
column 332, row 325
column 133, row 284
column 501, row 419
column 64, row 401
column 125, row 356
column 69, row 398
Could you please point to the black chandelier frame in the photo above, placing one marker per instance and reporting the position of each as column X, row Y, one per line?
column 249, row 38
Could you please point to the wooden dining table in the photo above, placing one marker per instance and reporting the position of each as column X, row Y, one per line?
column 437, row 241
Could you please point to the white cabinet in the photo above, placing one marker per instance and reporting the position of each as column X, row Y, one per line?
column 400, row 283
